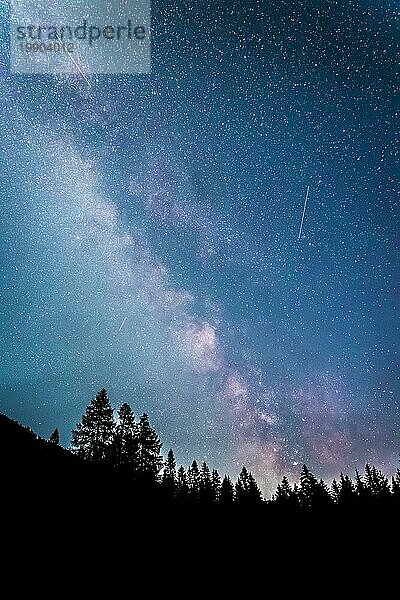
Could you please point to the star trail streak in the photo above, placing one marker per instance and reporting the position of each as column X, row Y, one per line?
column 304, row 211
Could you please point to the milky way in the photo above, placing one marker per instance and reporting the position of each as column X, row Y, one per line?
column 150, row 238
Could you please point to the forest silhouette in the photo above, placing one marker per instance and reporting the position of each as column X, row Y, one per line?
column 120, row 460
column 112, row 500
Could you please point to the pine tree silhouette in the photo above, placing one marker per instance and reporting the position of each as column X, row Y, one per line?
column 206, row 495
column 126, row 447
column 149, row 457
column 55, row 437
column 314, row 494
column 335, row 491
column 376, row 483
column 169, row 477
column 182, row 486
column 215, row 485
column 286, row 498
column 346, row 491
column 396, row 485
column 193, row 475
column 283, row 490
column 246, row 489
column 226, row 496
column 93, row 436
column 126, row 440
column 360, row 487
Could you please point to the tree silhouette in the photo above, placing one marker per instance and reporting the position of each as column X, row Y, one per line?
column 169, row 478
column 313, row 494
column 360, row 487
column 343, row 491
column 55, row 437
column 376, row 483
column 308, row 486
column 335, row 491
column 193, row 475
column 322, row 499
column 283, row 491
column 226, row 496
column 127, row 448
column 254, row 492
column 286, row 497
column 93, row 436
column 246, row 489
column 206, row 494
column 396, row 485
column 182, row 487
column 215, row 485
column 126, row 440
column 149, row 455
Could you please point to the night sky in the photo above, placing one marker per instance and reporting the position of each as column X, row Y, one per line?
column 150, row 238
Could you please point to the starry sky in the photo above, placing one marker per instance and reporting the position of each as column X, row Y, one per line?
column 150, row 238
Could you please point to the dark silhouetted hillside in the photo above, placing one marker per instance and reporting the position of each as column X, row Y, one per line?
column 33, row 467
column 48, row 491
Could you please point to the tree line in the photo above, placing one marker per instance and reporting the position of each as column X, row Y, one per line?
column 133, row 449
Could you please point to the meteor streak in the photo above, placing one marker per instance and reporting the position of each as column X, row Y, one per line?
column 304, row 212
column 122, row 324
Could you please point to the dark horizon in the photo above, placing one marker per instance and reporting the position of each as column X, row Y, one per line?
column 370, row 489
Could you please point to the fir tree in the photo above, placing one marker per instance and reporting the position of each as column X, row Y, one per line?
column 376, row 483
column 283, row 491
column 182, row 487
column 149, row 456
column 253, row 491
column 396, row 485
column 308, row 486
column 126, row 440
column 170, row 466
column 314, row 494
column 286, row 497
column 55, row 437
column 296, row 493
column 169, row 479
column 360, row 487
column 206, row 495
column 226, row 496
column 193, row 475
column 335, row 491
column 215, row 485
column 240, row 489
column 246, row 489
column 93, row 436
column 347, row 491
column 322, row 499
